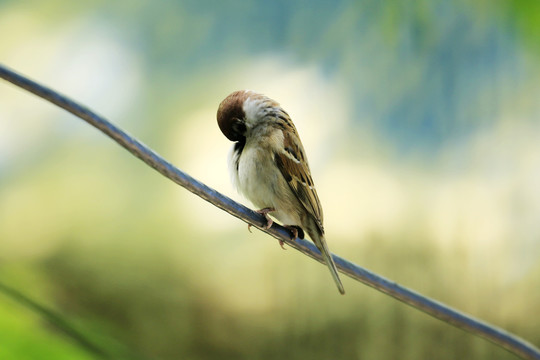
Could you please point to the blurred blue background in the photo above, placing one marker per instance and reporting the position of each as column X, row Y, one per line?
column 421, row 123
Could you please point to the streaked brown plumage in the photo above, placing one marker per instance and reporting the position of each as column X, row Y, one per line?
column 268, row 165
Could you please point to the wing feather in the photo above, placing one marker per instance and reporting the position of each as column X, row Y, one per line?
column 293, row 165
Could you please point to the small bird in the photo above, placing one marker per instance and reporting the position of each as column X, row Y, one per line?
column 269, row 167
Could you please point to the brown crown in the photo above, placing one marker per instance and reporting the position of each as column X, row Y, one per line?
column 230, row 112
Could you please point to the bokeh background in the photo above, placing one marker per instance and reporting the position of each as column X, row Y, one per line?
column 421, row 123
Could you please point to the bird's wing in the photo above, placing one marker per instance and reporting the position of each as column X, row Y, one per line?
column 293, row 165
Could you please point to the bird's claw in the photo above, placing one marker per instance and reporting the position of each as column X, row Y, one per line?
column 269, row 220
column 293, row 230
column 294, row 234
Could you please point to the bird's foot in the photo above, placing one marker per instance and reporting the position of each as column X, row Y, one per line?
column 295, row 232
column 269, row 220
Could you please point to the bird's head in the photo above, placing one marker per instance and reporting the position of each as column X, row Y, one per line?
column 241, row 111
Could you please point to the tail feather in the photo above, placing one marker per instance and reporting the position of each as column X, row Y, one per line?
column 323, row 248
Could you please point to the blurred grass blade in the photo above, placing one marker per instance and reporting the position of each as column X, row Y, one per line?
column 56, row 320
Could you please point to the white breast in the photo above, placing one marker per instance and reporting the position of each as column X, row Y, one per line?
column 262, row 183
column 258, row 177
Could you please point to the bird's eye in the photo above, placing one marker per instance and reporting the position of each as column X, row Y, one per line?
column 239, row 127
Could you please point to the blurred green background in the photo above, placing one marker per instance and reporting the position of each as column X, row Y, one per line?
column 421, row 123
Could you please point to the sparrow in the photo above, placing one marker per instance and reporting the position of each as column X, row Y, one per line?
column 269, row 167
